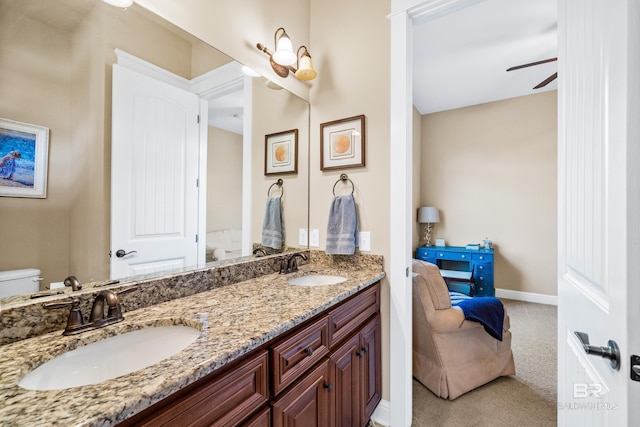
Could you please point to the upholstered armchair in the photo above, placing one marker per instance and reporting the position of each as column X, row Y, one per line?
column 451, row 355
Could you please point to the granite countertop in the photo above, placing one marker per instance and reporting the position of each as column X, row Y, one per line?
column 234, row 320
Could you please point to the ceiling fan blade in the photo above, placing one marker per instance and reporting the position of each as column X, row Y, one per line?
column 546, row 81
column 531, row 64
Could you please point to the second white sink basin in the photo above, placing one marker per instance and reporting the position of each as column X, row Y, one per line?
column 316, row 280
column 110, row 358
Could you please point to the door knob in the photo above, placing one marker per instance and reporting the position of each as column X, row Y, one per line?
column 120, row 253
column 611, row 351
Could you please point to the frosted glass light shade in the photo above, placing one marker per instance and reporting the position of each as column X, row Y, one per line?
column 428, row 215
column 284, row 51
column 306, row 71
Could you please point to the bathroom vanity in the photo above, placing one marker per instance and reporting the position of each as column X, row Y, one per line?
column 269, row 353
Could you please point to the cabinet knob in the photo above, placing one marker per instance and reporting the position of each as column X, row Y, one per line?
column 481, row 257
column 464, row 256
column 308, row 351
column 329, row 386
column 481, row 267
column 441, row 254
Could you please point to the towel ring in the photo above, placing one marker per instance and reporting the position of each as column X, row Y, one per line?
column 344, row 178
column 279, row 184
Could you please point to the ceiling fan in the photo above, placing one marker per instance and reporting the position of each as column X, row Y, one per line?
column 545, row 81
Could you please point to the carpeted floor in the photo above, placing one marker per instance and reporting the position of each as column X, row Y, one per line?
column 526, row 399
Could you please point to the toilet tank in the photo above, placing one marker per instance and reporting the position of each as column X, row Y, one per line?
column 15, row 282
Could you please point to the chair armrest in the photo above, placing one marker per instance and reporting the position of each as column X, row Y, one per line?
column 446, row 320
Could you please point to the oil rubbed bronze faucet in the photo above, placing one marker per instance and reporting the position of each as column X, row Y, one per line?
column 291, row 265
column 97, row 319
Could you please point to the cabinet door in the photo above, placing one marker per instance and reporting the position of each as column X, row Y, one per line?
column 308, row 403
column 371, row 368
column 346, row 374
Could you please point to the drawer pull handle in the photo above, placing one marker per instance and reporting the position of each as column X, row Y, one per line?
column 308, row 351
column 464, row 256
column 329, row 386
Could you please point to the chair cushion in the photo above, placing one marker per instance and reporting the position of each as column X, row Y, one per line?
column 435, row 283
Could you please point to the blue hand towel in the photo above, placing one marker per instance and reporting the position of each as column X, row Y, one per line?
column 272, row 225
column 342, row 231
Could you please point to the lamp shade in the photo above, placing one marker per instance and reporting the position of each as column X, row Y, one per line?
column 284, row 50
column 306, row 71
column 428, row 214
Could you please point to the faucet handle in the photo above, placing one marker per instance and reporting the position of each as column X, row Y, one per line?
column 75, row 322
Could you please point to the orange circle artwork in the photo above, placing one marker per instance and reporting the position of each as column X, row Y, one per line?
column 341, row 144
column 281, row 153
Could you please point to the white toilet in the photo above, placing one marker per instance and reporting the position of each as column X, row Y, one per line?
column 16, row 282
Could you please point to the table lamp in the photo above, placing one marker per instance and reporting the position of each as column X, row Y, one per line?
column 428, row 215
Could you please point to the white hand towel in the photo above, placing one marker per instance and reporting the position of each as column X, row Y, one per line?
column 342, row 231
column 272, row 233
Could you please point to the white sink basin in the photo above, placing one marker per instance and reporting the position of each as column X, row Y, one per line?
column 110, row 358
column 316, row 280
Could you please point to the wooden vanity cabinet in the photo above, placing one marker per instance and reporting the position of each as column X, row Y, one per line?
column 326, row 372
column 344, row 389
column 223, row 399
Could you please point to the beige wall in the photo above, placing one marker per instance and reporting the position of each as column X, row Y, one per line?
column 491, row 170
column 351, row 50
column 276, row 111
column 224, row 180
column 35, row 87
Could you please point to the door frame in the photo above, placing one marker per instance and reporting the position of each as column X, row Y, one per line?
column 402, row 14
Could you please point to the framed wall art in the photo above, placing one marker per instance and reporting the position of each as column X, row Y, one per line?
column 342, row 143
column 24, row 150
column 281, row 152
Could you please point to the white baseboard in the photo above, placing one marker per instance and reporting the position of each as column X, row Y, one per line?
column 527, row 296
column 381, row 415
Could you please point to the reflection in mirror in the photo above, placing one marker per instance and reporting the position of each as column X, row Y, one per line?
column 57, row 70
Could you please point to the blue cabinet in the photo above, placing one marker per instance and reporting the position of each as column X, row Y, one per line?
column 458, row 262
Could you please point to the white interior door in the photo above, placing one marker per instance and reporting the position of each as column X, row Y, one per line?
column 154, row 172
column 598, row 209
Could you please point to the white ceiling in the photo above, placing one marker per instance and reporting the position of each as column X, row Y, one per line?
column 460, row 59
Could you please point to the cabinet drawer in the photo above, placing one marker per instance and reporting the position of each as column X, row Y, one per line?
column 423, row 253
column 261, row 419
column 482, row 257
column 483, row 269
column 293, row 356
column 453, row 256
column 350, row 315
column 223, row 401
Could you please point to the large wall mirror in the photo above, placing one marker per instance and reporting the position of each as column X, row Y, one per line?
column 56, row 67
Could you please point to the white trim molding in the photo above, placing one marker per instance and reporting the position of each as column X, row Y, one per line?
column 382, row 415
column 527, row 296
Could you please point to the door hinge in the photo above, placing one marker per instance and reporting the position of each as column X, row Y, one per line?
column 196, row 238
column 197, row 183
column 198, row 119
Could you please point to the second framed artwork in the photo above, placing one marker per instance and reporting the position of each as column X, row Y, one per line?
column 281, row 152
column 342, row 143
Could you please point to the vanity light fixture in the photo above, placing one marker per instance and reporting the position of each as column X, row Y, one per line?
column 283, row 59
column 119, row 3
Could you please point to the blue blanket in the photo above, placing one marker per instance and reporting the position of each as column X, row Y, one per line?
column 487, row 311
